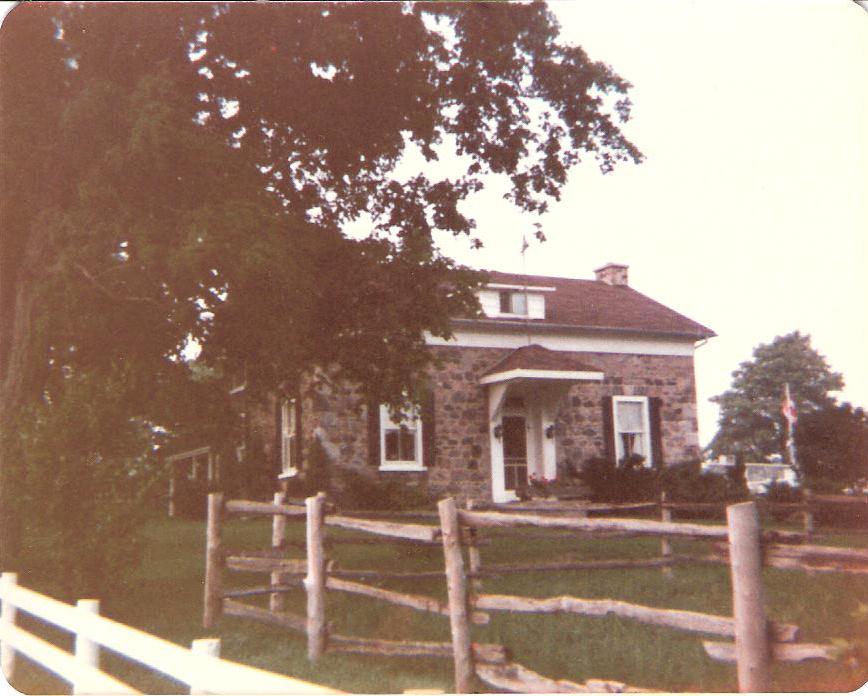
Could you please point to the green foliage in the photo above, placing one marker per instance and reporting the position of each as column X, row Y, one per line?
column 751, row 423
column 854, row 652
column 150, row 198
column 782, row 492
column 832, row 445
column 631, row 481
column 89, row 482
column 687, row 483
column 358, row 490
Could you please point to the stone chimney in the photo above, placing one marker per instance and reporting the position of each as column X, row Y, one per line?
column 612, row 274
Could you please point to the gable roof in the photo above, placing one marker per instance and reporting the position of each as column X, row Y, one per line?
column 593, row 304
column 535, row 357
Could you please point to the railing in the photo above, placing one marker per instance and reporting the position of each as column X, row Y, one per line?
column 200, row 667
column 316, row 576
column 741, row 544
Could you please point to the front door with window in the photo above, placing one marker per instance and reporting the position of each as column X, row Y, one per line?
column 514, row 452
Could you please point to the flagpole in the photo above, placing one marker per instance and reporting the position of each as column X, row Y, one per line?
column 790, row 415
column 524, row 247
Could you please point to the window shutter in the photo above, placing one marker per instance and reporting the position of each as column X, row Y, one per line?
column 608, row 430
column 373, row 433
column 655, row 404
column 296, row 455
column 429, row 427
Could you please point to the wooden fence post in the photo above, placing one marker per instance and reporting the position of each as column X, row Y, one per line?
column 456, row 586
column 315, row 581
column 665, row 543
column 278, row 538
column 473, row 555
column 207, row 647
column 752, row 647
column 86, row 651
column 7, row 620
column 808, row 515
column 213, row 562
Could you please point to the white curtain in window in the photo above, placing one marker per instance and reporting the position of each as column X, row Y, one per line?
column 630, row 417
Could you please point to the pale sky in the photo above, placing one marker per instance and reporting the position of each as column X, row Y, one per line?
column 749, row 214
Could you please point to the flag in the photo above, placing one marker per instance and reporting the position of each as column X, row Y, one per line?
column 524, row 245
column 788, row 407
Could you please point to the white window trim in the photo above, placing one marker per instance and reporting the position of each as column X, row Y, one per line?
column 288, row 432
column 386, row 423
column 529, row 288
column 646, row 425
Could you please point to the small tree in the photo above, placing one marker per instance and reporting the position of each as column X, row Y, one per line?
column 833, row 447
column 751, row 423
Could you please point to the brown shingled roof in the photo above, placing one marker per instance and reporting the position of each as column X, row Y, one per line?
column 535, row 357
column 597, row 305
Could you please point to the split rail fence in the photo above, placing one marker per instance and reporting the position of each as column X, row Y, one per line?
column 200, row 668
column 807, row 508
column 741, row 544
column 317, row 575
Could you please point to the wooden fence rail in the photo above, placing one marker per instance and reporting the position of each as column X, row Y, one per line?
column 740, row 543
column 200, row 667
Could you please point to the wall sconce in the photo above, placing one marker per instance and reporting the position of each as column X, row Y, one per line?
column 498, row 431
column 550, row 431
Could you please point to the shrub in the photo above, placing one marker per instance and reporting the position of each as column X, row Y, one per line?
column 782, row 492
column 88, row 484
column 687, row 483
column 628, row 482
column 359, row 490
column 631, row 481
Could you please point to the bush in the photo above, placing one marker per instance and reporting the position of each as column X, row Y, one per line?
column 781, row 492
column 89, row 481
column 359, row 490
column 631, row 481
column 687, row 483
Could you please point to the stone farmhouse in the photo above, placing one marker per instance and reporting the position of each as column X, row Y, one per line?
column 556, row 371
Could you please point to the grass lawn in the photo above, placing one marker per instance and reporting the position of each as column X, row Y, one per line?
column 165, row 598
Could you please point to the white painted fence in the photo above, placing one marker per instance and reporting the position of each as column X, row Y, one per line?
column 199, row 667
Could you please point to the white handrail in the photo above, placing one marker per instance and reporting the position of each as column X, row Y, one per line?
column 205, row 672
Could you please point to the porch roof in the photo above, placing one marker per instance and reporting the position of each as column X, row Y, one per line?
column 536, row 362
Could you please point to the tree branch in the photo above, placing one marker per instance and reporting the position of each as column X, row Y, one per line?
column 108, row 293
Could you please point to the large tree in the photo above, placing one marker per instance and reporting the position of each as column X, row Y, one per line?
column 185, row 171
column 752, row 425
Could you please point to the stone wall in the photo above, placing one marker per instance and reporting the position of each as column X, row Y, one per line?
column 337, row 416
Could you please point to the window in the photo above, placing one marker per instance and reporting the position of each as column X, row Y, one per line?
column 288, row 439
column 513, row 302
column 401, row 442
column 632, row 433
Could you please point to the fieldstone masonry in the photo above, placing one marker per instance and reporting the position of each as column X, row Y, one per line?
column 337, row 417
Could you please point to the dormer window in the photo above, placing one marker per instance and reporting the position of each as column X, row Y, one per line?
column 513, row 302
